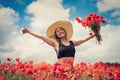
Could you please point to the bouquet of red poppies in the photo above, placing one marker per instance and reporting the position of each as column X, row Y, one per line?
column 92, row 21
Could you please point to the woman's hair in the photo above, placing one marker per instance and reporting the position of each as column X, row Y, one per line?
column 57, row 38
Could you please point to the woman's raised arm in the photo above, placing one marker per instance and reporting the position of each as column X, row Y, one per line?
column 49, row 41
column 78, row 42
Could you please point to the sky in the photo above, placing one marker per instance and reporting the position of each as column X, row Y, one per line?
column 38, row 15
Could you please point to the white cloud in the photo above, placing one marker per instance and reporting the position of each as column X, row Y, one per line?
column 111, row 8
column 115, row 13
column 107, row 5
column 8, row 26
column 73, row 9
column 8, row 20
column 46, row 12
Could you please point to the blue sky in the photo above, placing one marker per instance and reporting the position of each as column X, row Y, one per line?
column 37, row 15
column 83, row 7
column 80, row 8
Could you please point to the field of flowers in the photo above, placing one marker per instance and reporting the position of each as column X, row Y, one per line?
column 17, row 70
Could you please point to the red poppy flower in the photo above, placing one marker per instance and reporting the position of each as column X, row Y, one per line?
column 2, row 78
column 90, row 33
column 78, row 19
column 31, row 62
column 17, row 59
column 9, row 59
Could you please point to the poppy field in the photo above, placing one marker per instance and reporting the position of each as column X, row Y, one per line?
column 15, row 69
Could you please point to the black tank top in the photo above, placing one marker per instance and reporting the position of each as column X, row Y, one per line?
column 66, row 51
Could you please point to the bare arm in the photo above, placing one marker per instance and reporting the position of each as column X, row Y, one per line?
column 78, row 42
column 49, row 41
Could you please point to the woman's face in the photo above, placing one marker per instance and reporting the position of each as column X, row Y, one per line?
column 60, row 32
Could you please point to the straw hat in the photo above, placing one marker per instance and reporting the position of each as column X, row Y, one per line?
column 67, row 26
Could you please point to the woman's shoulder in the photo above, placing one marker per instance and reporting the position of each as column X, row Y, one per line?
column 71, row 42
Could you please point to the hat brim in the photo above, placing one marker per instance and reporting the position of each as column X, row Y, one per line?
column 67, row 26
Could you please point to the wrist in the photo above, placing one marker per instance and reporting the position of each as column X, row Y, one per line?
column 28, row 31
column 91, row 36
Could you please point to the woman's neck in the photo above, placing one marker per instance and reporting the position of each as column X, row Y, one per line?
column 64, row 41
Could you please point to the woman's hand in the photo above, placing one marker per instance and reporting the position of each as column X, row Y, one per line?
column 24, row 30
column 92, row 34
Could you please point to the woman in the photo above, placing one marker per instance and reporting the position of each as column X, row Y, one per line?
column 58, row 36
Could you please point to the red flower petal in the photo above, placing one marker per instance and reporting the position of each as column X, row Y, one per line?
column 17, row 59
column 78, row 19
column 90, row 14
column 83, row 24
column 90, row 33
column 9, row 59
column 103, row 21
